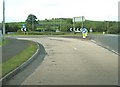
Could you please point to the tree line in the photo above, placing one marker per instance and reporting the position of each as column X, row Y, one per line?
column 63, row 24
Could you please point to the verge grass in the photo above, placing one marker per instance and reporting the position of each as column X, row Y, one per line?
column 4, row 42
column 19, row 59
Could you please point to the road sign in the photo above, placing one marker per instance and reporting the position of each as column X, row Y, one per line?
column 75, row 29
column 23, row 26
column 79, row 19
column 78, row 30
column 84, row 32
column 71, row 29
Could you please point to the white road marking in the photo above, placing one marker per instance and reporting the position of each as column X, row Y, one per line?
column 75, row 48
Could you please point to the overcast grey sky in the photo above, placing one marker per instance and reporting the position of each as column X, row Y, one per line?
column 100, row 10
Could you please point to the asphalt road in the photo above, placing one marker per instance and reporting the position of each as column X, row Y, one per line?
column 70, row 62
column 109, row 41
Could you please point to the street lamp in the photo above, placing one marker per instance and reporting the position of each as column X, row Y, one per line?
column 32, row 23
column 60, row 24
column 3, row 18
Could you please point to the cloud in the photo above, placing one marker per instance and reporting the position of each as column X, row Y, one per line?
column 92, row 9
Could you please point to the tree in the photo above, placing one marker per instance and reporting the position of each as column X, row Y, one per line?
column 113, row 28
column 69, row 21
column 11, row 27
column 31, row 22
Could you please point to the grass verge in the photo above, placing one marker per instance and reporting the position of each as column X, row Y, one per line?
column 17, row 60
column 4, row 42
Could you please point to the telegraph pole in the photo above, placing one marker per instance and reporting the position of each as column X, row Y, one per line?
column 3, row 19
column 32, row 23
column 82, row 21
column 60, row 24
column 73, row 22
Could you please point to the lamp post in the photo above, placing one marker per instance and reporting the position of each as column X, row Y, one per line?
column 3, row 19
column 82, row 22
column 32, row 23
column 61, row 24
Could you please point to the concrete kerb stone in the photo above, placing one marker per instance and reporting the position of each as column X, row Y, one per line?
column 4, row 79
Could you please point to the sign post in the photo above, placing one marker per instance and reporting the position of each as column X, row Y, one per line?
column 83, row 19
column 73, row 22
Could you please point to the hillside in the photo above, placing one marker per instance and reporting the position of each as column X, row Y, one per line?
column 64, row 24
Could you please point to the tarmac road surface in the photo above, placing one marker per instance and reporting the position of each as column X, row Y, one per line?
column 72, row 62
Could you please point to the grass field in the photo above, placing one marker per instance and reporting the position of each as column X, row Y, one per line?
column 17, row 60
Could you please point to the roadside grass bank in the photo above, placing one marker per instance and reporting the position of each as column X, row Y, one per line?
column 51, row 33
column 4, row 42
column 19, row 59
column 44, row 33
